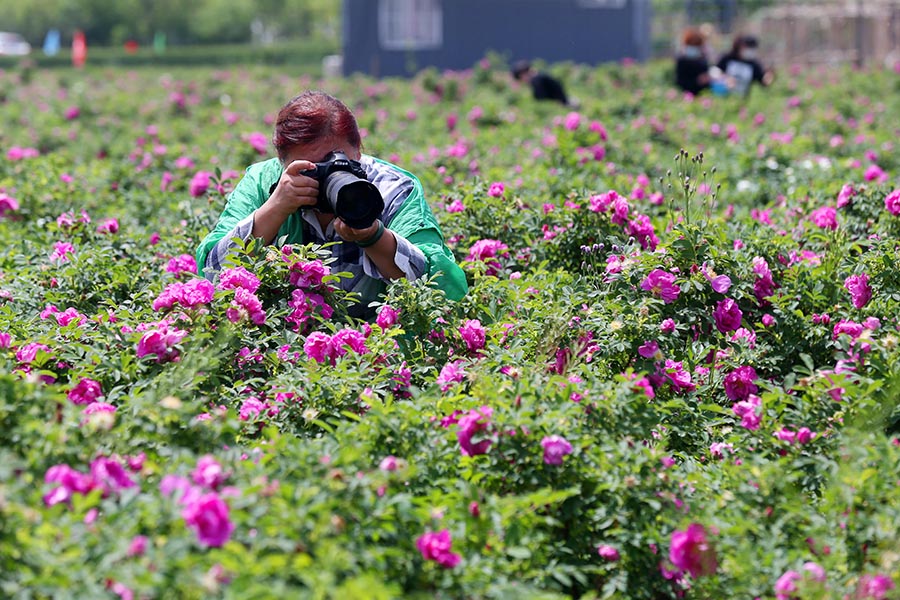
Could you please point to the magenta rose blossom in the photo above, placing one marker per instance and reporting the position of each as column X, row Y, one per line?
column 497, row 189
column 608, row 553
column 318, row 346
column 678, row 377
column 160, row 341
column 437, row 546
column 389, row 463
column 138, row 546
column 825, row 217
column 451, row 373
column 110, row 225
column 239, row 277
column 387, row 317
column 555, row 448
column 892, row 203
column 200, row 183
column 860, row 292
column 245, row 305
column 690, row 551
column 476, row 421
column 472, row 334
column 720, row 283
column 351, row 338
column 309, row 274
column 739, row 383
column 190, row 294
column 85, row 391
column 875, row 586
column 209, row 473
column 184, row 263
column 662, row 285
column 207, row 515
column 8, row 204
column 487, row 251
column 727, row 315
column 787, row 585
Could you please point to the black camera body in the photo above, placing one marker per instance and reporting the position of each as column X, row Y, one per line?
column 345, row 192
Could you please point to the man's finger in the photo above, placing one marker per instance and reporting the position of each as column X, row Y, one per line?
column 298, row 166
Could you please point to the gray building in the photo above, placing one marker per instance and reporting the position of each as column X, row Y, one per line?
column 399, row 37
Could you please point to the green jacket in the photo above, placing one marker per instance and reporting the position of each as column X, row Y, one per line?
column 413, row 220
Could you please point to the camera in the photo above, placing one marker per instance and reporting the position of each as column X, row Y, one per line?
column 345, row 192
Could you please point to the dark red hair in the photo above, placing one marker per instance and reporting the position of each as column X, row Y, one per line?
column 311, row 116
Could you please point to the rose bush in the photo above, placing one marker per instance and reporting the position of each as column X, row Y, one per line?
column 675, row 373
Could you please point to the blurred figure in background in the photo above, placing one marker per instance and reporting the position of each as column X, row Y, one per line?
column 742, row 68
column 543, row 86
column 692, row 71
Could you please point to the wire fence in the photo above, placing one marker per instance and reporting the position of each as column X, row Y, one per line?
column 859, row 32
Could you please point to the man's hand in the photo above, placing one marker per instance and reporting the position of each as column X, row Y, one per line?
column 349, row 234
column 294, row 191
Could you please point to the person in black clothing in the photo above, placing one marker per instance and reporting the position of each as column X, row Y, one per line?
column 692, row 72
column 543, row 86
column 742, row 68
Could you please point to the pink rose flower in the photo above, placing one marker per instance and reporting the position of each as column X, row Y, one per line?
column 727, row 315
column 739, row 383
column 318, row 346
column 437, row 547
column 109, row 226
column 200, row 183
column 160, row 341
column 476, row 421
column 387, row 317
column 85, row 391
column 208, row 516
column 496, row 190
column 138, row 546
column 608, row 553
column 308, row 274
column 787, row 585
column 8, row 204
column 825, row 217
column 238, row 277
column 678, row 377
column 892, row 203
column 190, row 294
column 450, row 373
column 259, row 142
column 662, row 285
column 860, row 292
column 875, row 587
column 473, row 334
column 388, row 464
column 555, row 448
column 691, row 551
column 209, row 473
column 183, row 263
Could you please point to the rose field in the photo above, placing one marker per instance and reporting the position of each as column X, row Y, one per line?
column 675, row 374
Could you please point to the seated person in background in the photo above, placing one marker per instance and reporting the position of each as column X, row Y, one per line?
column 741, row 66
column 543, row 86
column 276, row 198
column 692, row 73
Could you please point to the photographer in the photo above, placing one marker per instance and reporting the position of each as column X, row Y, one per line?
column 284, row 199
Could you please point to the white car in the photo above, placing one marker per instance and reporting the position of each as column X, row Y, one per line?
column 13, row 44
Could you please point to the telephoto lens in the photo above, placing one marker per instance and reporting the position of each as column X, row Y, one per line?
column 356, row 201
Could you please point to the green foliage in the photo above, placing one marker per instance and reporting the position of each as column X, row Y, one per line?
column 112, row 22
column 332, row 467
